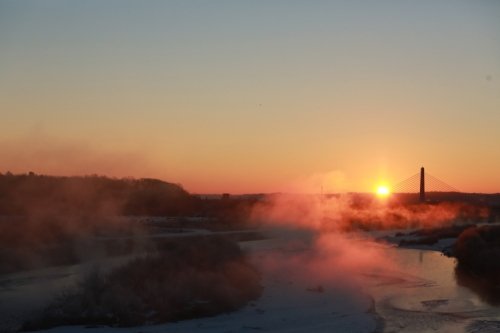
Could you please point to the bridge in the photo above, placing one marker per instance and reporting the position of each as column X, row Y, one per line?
column 422, row 182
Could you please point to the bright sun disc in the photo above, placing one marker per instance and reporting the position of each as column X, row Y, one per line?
column 383, row 191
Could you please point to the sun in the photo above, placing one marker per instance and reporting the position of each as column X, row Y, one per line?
column 383, row 191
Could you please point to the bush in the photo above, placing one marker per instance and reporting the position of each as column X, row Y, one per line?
column 478, row 250
column 182, row 280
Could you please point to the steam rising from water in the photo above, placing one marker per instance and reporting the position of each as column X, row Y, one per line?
column 347, row 212
column 322, row 234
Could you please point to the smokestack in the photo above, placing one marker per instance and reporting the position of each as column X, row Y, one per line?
column 422, row 184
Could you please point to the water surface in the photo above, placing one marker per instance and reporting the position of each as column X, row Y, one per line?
column 423, row 295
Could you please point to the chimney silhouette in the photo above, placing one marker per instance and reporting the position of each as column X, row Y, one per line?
column 422, row 184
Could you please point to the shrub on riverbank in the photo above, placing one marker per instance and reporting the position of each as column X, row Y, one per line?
column 182, row 280
column 478, row 250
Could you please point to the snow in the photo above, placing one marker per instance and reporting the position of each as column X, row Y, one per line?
column 443, row 245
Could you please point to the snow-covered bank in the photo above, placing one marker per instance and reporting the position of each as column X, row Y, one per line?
column 24, row 293
column 408, row 239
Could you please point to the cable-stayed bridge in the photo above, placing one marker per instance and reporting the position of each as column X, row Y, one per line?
column 423, row 182
column 427, row 186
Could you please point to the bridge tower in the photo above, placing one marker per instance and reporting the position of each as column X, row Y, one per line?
column 422, row 184
column 427, row 182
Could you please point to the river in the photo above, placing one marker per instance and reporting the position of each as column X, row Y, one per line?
column 421, row 295
column 427, row 297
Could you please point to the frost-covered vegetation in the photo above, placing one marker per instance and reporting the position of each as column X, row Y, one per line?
column 181, row 280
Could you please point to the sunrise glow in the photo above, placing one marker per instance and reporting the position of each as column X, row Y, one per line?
column 201, row 95
column 383, row 191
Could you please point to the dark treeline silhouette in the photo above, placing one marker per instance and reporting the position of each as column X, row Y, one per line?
column 30, row 194
column 48, row 220
column 230, row 211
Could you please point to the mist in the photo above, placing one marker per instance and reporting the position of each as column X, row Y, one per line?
column 54, row 155
column 326, row 240
column 351, row 212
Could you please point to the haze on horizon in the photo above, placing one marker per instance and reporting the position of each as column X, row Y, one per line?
column 253, row 96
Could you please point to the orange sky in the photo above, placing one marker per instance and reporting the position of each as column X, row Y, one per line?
column 253, row 97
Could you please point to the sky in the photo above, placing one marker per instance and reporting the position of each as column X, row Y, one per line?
column 253, row 96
